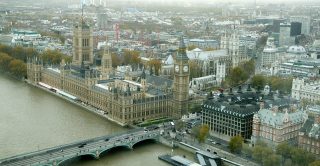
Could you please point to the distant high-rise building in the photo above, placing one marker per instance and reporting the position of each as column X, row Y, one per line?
column 305, row 23
column 284, row 36
column 295, row 29
column 102, row 21
column 276, row 25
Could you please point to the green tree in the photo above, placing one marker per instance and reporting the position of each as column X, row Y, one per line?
column 259, row 152
column 235, row 144
column 179, row 125
column 301, row 157
column 258, row 81
column 281, row 84
column 246, row 150
column 271, row 160
column 237, row 76
column 287, row 162
column 248, row 67
column 284, row 150
column 315, row 163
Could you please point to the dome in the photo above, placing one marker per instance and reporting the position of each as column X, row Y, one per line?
column 296, row 49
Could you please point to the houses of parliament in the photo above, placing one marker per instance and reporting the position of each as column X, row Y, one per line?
column 126, row 98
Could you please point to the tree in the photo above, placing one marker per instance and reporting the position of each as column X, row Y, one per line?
column 259, row 152
column 204, row 131
column 31, row 52
column 5, row 49
column 301, row 157
column 271, row 160
column 5, row 60
column 209, row 49
column 246, row 150
column 18, row 68
column 281, row 84
column 248, row 67
column 284, row 150
column 115, row 60
column 287, row 162
column 54, row 57
column 131, row 58
column 258, row 81
column 195, row 69
column 19, row 53
column 179, row 125
column 191, row 47
column 156, row 65
column 315, row 163
column 195, row 132
column 237, row 76
column 235, row 144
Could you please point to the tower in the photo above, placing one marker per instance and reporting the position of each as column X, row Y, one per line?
column 181, row 81
column 106, row 63
column 297, row 85
column 34, row 67
column 82, row 43
column 143, row 81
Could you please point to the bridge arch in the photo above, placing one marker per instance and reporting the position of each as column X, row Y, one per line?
column 123, row 146
column 92, row 155
column 133, row 144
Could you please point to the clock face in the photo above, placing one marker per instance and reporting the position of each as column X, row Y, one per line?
column 185, row 68
column 177, row 68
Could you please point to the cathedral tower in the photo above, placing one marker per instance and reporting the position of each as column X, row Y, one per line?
column 181, row 81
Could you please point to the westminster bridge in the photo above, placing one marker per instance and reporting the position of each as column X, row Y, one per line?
column 93, row 147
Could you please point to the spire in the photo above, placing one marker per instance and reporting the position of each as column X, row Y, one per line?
column 182, row 55
column 143, row 75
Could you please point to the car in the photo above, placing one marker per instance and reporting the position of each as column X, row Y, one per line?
column 82, row 145
column 107, row 139
column 218, row 143
column 145, row 131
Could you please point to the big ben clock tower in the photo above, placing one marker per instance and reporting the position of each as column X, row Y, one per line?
column 181, row 82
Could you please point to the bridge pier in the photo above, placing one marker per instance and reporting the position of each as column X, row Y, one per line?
column 97, row 156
